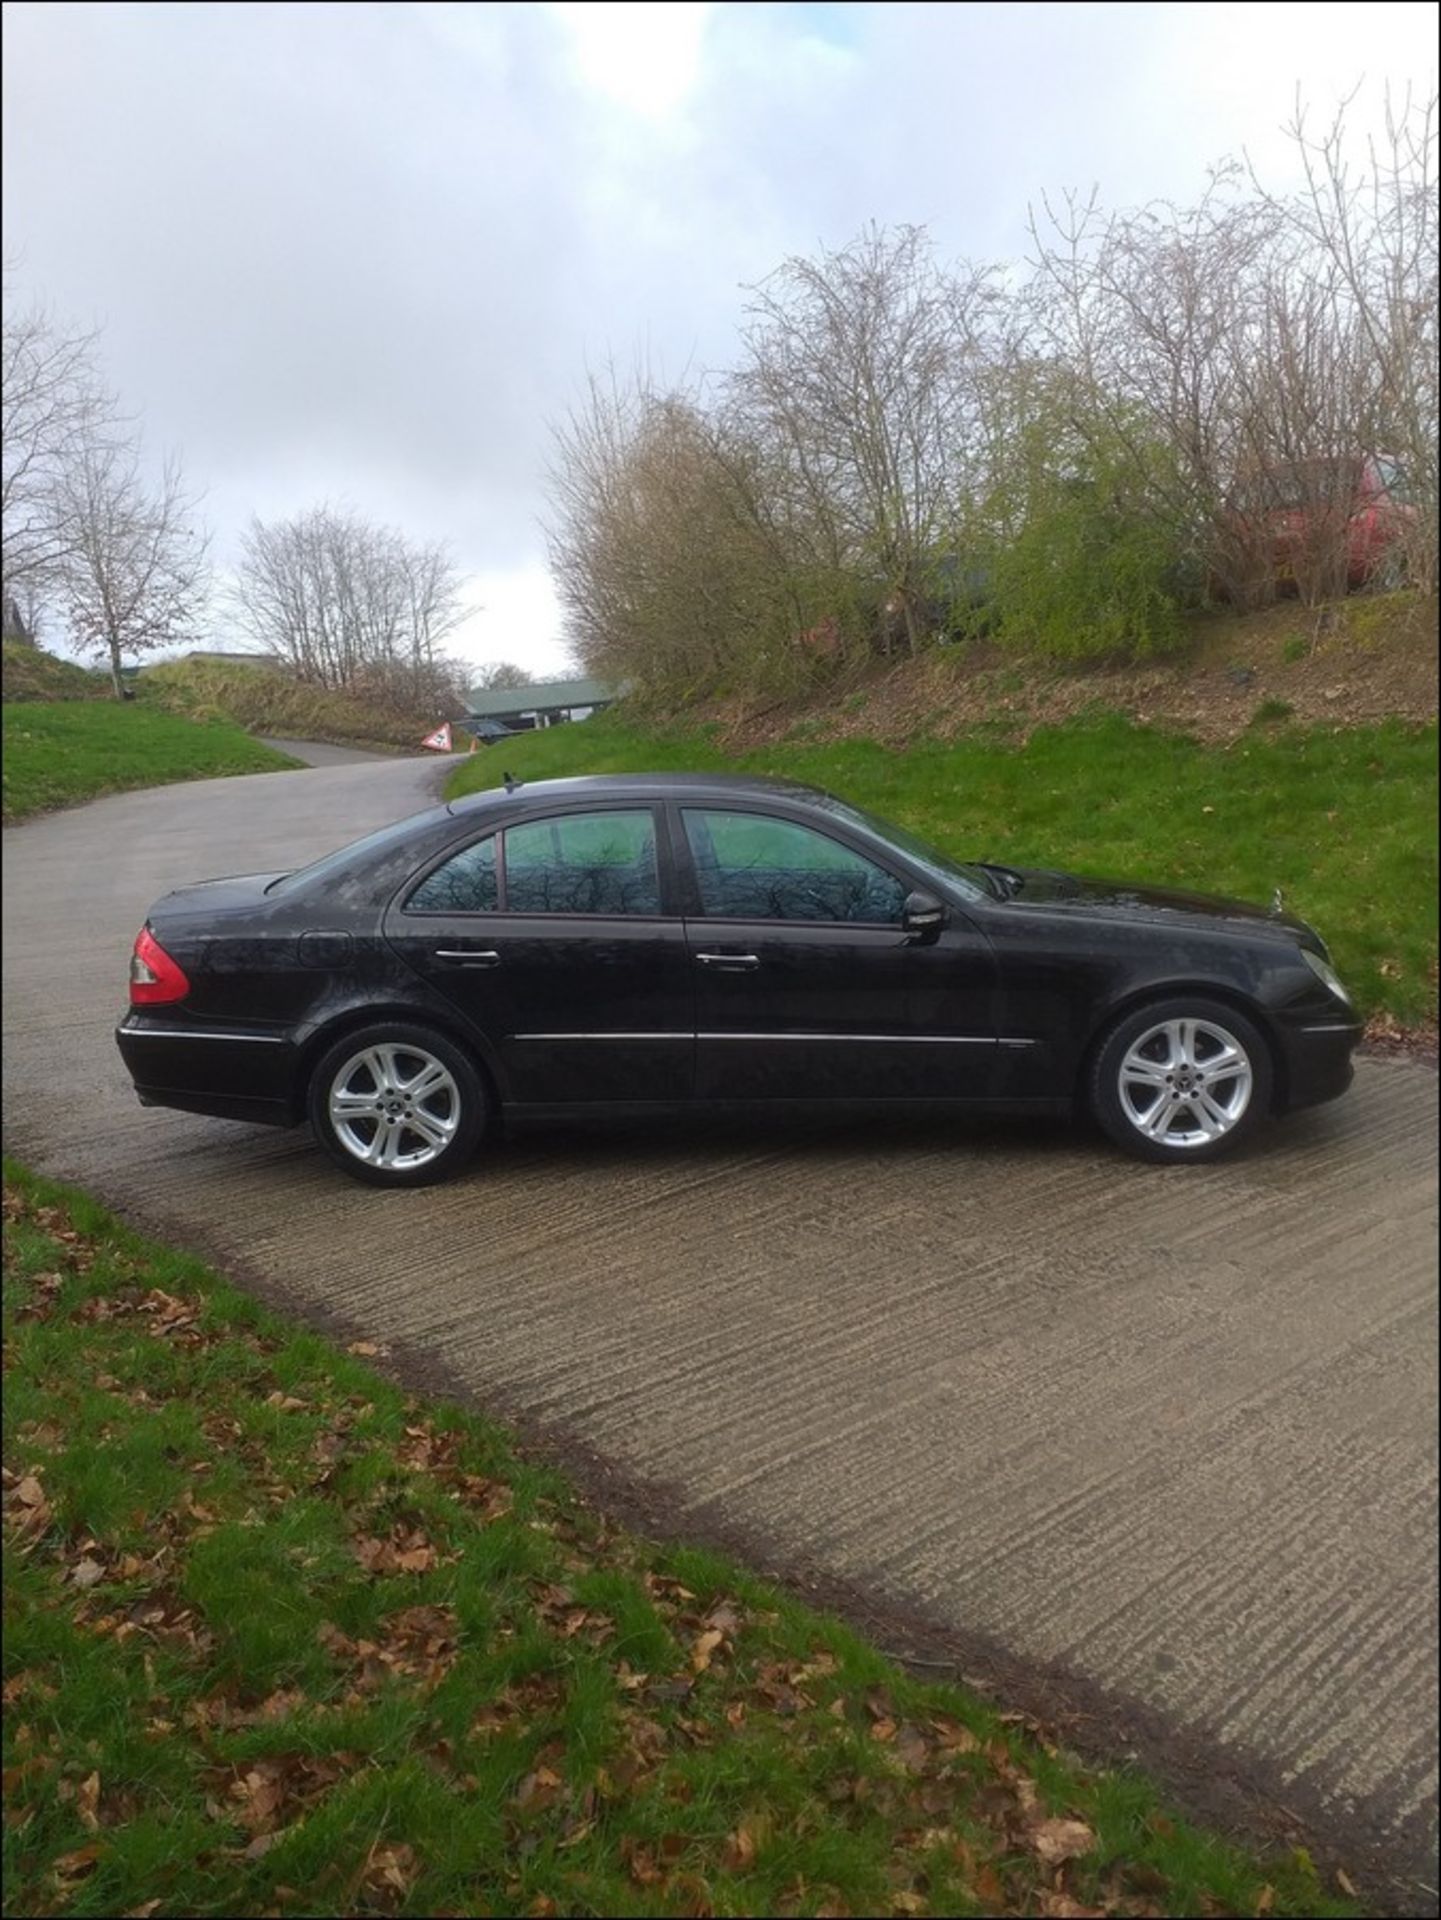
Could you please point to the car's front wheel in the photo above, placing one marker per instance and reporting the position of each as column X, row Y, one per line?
column 397, row 1105
column 1181, row 1080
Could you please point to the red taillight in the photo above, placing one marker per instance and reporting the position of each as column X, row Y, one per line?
column 155, row 979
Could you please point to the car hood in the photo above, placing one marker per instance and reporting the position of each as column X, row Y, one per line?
column 1124, row 899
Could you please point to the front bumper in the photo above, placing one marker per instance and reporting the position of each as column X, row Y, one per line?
column 1316, row 1062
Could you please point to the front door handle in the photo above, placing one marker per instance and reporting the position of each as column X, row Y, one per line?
column 468, row 956
column 729, row 962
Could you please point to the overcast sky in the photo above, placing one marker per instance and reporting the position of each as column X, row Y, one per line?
column 365, row 253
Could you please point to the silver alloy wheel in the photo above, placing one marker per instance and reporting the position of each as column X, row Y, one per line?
column 394, row 1106
column 1185, row 1083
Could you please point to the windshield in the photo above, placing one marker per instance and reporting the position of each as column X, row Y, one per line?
column 972, row 879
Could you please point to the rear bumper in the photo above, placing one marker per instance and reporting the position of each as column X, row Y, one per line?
column 232, row 1074
column 1317, row 1062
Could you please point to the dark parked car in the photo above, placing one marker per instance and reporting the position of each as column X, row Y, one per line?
column 668, row 941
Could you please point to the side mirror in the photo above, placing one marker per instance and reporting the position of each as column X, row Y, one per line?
column 922, row 916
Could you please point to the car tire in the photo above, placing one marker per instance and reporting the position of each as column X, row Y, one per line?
column 1181, row 1080
column 396, row 1105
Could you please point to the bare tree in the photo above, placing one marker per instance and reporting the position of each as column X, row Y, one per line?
column 860, row 381
column 1368, row 230
column 351, row 604
column 56, row 410
column 497, row 674
column 135, row 576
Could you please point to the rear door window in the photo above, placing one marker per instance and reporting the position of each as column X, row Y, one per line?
column 580, row 863
column 588, row 863
column 468, row 882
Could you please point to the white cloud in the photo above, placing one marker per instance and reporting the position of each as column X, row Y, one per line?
column 644, row 57
column 517, row 617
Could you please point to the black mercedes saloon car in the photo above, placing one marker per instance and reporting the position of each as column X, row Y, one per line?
column 668, row 941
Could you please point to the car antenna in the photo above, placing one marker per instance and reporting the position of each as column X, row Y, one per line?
column 511, row 783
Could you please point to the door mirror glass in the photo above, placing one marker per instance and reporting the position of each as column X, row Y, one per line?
column 923, row 916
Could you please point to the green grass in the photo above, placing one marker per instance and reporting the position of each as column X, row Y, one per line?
column 1343, row 819
column 56, row 754
column 282, row 1637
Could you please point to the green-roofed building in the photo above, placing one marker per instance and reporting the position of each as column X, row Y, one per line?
column 545, row 703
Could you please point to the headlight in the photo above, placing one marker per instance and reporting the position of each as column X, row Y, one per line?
column 1326, row 974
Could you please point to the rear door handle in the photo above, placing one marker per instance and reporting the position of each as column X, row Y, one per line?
column 729, row 962
column 468, row 956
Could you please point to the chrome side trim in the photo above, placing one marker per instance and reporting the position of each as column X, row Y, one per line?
column 1334, row 1026
column 192, row 1033
column 600, row 1036
column 860, row 1039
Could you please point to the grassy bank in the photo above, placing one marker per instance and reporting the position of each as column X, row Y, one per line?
column 29, row 673
column 278, row 704
column 1343, row 820
column 58, row 754
column 281, row 1637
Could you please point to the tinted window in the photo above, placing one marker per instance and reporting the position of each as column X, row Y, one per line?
column 753, row 867
column 583, row 863
column 466, row 883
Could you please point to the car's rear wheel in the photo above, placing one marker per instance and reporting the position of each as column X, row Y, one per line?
column 397, row 1105
column 1181, row 1080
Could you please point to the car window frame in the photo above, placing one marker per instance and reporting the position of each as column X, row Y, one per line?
column 664, row 861
column 851, row 843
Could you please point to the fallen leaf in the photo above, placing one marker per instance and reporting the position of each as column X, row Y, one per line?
column 87, row 1801
column 911, row 1748
column 704, row 1648
column 989, row 1890
column 739, row 1853
column 1344, row 1882
column 1056, row 1841
column 537, row 1789
column 74, row 1865
column 365, row 1349
column 953, row 1736
column 1265, row 1900
column 285, row 1402
column 86, row 1573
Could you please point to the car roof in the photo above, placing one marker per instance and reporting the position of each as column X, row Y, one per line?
column 641, row 786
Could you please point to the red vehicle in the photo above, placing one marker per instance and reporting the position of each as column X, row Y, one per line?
column 1325, row 525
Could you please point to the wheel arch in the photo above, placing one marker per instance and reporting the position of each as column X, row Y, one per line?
column 1229, row 996
column 352, row 1019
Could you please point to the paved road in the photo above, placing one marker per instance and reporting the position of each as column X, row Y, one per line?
column 320, row 753
column 1173, row 1430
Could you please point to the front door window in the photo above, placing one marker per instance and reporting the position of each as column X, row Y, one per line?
column 751, row 866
